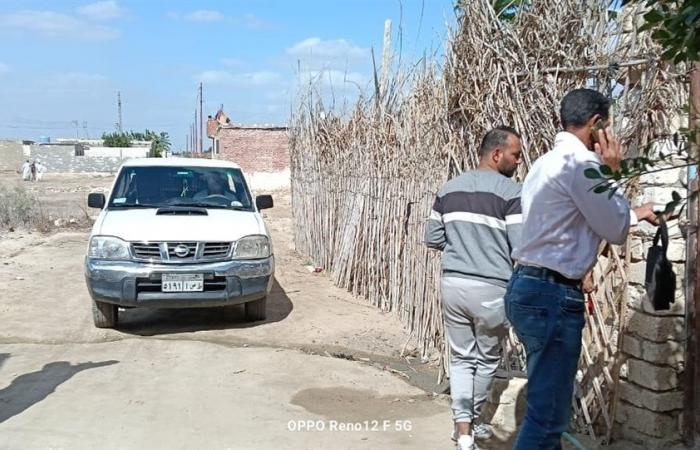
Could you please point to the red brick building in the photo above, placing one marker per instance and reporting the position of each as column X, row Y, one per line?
column 257, row 149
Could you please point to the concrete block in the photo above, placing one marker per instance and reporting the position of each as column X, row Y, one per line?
column 637, row 249
column 664, row 178
column 632, row 346
column 670, row 353
column 655, row 328
column 658, row 194
column 631, row 435
column 648, row 423
column 637, row 272
column 637, row 300
column 676, row 250
column 650, row 376
column 654, row 401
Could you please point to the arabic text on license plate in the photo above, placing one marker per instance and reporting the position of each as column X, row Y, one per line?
column 182, row 282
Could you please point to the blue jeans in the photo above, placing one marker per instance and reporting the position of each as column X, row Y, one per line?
column 548, row 317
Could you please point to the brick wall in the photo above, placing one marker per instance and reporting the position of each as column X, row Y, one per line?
column 651, row 385
column 255, row 149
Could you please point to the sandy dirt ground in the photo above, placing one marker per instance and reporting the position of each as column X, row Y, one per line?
column 323, row 371
column 198, row 378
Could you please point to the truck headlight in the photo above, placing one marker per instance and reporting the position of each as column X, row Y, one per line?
column 107, row 247
column 252, row 247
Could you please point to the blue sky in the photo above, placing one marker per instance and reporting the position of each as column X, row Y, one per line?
column 64, row 61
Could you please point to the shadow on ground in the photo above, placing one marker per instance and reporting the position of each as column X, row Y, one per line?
column 31, row 388
column 152, row 322
column 505, row 418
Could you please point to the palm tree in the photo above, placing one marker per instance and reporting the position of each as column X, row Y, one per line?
column 159, row 142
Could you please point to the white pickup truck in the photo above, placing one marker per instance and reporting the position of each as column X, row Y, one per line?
column 178, row 233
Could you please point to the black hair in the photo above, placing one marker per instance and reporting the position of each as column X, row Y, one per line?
column 495, row 137
column 579, row 105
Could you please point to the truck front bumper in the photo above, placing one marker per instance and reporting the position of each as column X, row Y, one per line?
column 135, row 284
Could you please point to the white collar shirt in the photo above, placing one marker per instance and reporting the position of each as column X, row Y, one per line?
column 564, row 221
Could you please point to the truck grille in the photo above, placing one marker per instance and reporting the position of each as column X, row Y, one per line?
column 177, row 252
column 182, row 250
column 216, row 250
column 142, row 250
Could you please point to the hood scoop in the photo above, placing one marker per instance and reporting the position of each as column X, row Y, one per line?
column 181, row 211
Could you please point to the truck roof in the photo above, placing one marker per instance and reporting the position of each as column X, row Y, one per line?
column 179, row 162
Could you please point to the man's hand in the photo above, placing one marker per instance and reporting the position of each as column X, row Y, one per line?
column 588, row 283
column 646, row 212
column 608, row 149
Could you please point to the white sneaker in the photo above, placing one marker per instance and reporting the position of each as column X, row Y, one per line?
column 482, row 431
column 466, row 442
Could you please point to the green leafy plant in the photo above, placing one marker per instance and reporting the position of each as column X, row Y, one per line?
column 116, row 139
column 674, row 25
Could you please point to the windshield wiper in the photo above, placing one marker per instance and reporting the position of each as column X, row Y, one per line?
column 206, row 205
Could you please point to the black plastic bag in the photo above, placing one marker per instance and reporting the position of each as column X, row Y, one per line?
column 660, row 279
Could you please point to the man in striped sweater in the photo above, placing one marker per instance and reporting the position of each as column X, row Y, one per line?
column 475, row 222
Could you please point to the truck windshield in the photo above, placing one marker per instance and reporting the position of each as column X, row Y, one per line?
column 157, row 187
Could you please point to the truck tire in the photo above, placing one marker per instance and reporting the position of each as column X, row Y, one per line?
column 256, row 310
column 104, row 315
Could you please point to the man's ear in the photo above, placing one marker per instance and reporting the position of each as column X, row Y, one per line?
column 496, row 154
column 593, row 120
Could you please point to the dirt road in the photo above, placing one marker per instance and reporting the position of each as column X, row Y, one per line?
column 323, row 371
column 198, row 378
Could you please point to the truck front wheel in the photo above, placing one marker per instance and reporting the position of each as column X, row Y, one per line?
column 105, row 315
column 256, row 310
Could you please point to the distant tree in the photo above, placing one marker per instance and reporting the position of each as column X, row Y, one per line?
column 116, row 139
column 160, row 142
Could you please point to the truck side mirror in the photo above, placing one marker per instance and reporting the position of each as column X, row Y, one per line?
column 264, row 202
column 96, row 200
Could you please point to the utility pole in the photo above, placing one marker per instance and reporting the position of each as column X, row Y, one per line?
column 196, row 136
column 119, row 112
column 187, row 143
column 691, row 412
column 201, row 128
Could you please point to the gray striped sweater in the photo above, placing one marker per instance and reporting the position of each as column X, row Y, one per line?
column 476, row 222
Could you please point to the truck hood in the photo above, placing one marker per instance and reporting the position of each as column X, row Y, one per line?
column 144, row 225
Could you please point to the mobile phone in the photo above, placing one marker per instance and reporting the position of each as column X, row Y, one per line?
column 599, row 124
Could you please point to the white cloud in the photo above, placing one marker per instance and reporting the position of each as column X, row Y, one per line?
column 50, row 24
column 3, row 68
column 103, row 10
column 222, row 77
column 204, row 15
column 315, row 47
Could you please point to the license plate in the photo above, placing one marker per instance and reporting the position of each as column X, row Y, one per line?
column 186, row 282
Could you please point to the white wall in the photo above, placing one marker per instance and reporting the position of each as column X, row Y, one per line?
column 269, row 181
column 118, row 152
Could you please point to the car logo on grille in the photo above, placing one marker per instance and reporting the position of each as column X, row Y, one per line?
column 182, row 251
